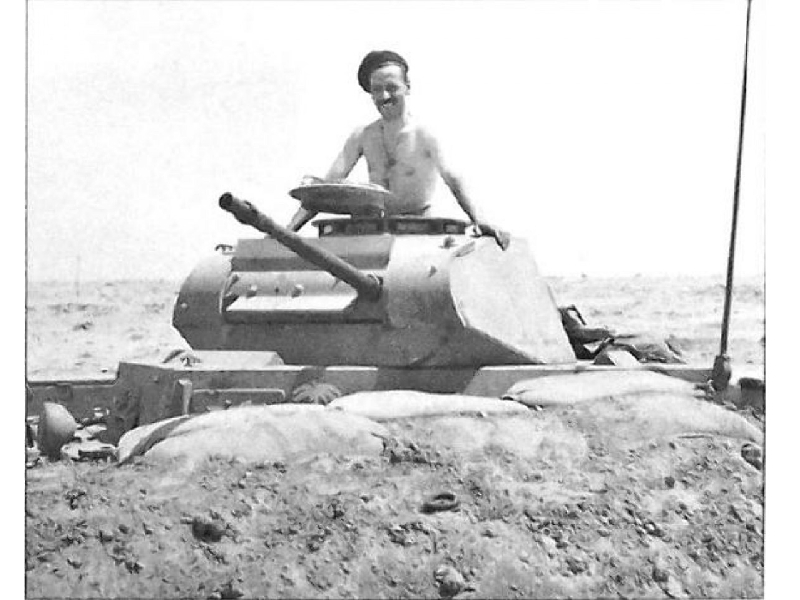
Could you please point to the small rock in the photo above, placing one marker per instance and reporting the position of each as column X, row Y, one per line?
column 654, row 529
column 105, row 535
column 450, row 581
column 207, row 530
column 669, row 481
column 133, row 566
column 660, row 574
column 751, row 527
column 673, row 588
column 752, row 454
column 229, row 592
column 74, row 497
column 576, row 565
column 123, row 528
column 313, row 545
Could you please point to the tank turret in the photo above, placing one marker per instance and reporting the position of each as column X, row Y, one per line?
column 391, row 291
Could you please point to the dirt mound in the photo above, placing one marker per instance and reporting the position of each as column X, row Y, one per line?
column 547, row 504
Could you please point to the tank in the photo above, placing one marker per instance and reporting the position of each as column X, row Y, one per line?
column 375, row 302
column 372, row 290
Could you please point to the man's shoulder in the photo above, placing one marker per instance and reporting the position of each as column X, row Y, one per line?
column 370, row 128
column 423, row 130
column 362, row 132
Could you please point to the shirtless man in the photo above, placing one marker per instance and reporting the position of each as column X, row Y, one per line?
column 402, row 156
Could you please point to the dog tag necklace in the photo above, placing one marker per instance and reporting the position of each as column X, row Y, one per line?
column 391, row 161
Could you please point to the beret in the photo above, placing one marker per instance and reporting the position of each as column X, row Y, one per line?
column 375, row 60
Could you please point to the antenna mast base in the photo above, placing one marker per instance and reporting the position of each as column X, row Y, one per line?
column 721, row 372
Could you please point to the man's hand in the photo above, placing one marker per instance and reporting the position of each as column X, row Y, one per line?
column 503, row 238
column 311, row 180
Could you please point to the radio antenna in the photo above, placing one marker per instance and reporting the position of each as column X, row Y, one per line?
column 721, row 372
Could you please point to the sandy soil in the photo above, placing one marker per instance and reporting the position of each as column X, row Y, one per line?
column 85, row 332
column 611, row 516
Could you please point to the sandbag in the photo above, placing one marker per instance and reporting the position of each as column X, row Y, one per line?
column 255, row 433
column 399, row 404
column 139, row 440
column 528, row 436
column 593, row 385
column 563, row 437
column 654, row 416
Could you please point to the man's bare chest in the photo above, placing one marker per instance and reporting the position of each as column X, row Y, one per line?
column 387, row 150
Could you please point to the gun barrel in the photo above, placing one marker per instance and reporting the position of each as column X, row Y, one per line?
column 367, row 285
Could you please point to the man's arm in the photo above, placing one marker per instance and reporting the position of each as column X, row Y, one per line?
column 348, row 157
column 341, row 167
column 455, row 182
column 300, row 218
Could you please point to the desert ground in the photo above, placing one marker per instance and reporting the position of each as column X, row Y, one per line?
column 85, row 329
column 593, row 507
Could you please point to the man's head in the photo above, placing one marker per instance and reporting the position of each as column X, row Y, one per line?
column 384, row 75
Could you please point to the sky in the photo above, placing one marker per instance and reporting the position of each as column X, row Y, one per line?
column 604, row 132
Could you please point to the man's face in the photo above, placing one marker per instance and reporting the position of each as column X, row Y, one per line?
column 389, row 89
